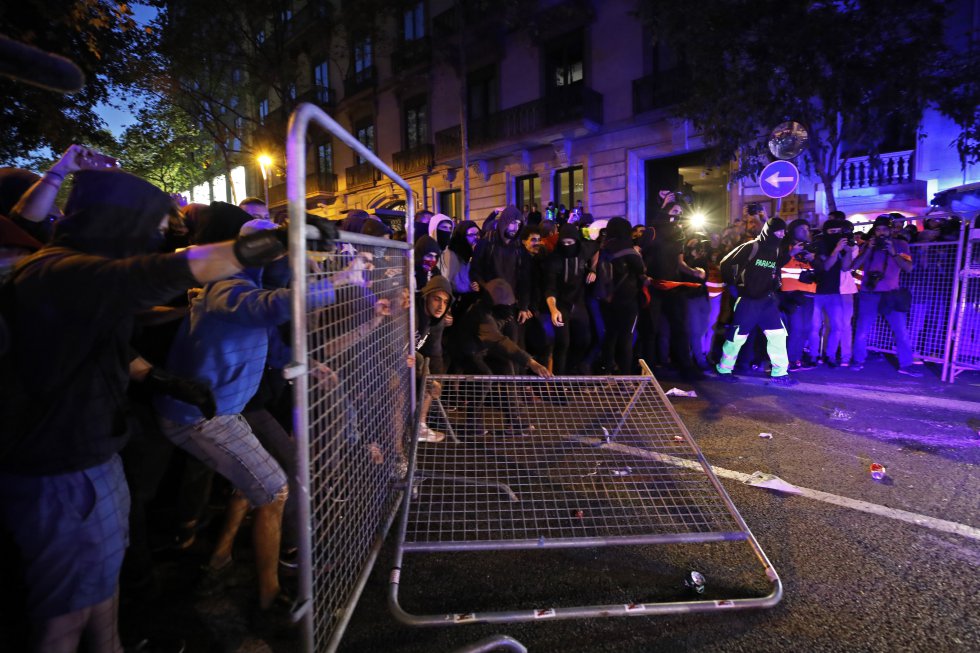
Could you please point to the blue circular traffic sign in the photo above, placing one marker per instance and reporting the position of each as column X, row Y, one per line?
column 779, row 179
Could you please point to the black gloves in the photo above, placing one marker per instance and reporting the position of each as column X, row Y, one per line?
column 191, row 391
column 263, row 247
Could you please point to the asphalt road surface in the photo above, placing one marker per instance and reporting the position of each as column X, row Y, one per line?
column 866, row 565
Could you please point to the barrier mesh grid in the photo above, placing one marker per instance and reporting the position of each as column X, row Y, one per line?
column 541, row 462
column 359, row 417
column 966, row 351
column 523, row 464
column 932, row 282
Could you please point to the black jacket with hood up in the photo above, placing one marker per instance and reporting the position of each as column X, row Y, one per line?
column 72, row 319
column 756, row 276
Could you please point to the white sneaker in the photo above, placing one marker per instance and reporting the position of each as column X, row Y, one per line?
column 430, row 435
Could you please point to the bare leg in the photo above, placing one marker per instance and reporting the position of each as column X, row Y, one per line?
column 234, row 514
column 102, row 631
column 266, row 536
column 61, row 634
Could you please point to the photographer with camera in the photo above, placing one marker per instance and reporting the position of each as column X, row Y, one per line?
column 881, row 259
column 796, row 297
column 835, row 254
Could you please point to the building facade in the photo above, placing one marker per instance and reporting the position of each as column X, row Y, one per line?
column 569, row 101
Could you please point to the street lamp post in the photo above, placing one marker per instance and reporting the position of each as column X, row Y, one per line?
column 265, row 162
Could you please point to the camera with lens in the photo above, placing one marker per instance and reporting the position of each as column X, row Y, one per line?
column 809, row 247
column 872, row 278
column 754, row 208
column 879, row 244
column 851, row 242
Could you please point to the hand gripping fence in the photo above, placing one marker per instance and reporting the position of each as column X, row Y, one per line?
column 354, row 395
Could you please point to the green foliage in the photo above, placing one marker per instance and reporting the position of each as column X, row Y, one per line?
column 166, row 149
column 102, row 38
column 851, row 71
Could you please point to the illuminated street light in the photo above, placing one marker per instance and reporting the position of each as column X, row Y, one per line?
column 265, row 163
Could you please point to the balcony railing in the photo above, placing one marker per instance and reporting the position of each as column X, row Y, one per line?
column 410, row 54
column 560, row 105
column 892, row 168
column 317, row 183
column 318, row 95
column 659, row 90
column 364, row 174
column 360, row 80
column 310, row 16
column 416, row 159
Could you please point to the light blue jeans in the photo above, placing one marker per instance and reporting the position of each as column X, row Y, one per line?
column 833, row 306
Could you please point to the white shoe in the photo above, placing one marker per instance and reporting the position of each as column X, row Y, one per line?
column 430, row 435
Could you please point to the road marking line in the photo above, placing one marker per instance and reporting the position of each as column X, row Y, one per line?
column 864, row 506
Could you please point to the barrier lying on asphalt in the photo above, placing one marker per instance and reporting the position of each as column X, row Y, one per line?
column 604, row 461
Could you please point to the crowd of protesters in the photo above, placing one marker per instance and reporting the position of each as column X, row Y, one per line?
column 189, row 304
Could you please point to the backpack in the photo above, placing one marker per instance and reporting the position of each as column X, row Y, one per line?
column 605, row 282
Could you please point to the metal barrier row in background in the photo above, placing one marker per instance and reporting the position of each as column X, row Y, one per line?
column 934, row 284
column 354, row 395
column 966, row 341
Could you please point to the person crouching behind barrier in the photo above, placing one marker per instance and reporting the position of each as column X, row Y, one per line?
column 431, row 315
column 481, row 347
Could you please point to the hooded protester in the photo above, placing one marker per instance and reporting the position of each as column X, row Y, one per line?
column 441, row 229
column 564, row 291
column 458, row 257
column 62, row 404
column 426, row 261
column 753, row 268
column 421, row 224
column 501, row 256
column 620, row 277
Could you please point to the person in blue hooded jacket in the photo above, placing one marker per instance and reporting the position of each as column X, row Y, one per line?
column 225, row 340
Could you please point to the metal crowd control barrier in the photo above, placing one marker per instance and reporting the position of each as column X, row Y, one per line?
column 966, row 342
column 606, row 461
column 354, row 396
column 934, row 285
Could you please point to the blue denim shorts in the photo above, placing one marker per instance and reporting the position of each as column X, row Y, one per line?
column 72, row 531
column 227, row 445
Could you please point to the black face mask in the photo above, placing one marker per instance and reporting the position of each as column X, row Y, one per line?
column 421, row 229
column 567, row 251
column 502, row 312
column 443, row 238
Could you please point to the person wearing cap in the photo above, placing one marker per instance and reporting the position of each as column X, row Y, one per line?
column 431, row 315
column 753, row 268
column 881, row 260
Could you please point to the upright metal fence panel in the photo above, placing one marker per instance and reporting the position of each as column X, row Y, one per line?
column 932, row 282
column 354, row 393
column 966, row 346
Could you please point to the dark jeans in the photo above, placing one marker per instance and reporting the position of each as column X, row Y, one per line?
column 618, row 346
column 571, row 342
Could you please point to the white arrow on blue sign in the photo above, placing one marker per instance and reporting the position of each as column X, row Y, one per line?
column 779, row 179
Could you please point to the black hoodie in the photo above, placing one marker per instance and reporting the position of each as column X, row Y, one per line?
column 495, row 258
column 565, row 269
column 72, row 318
column 754, row 266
